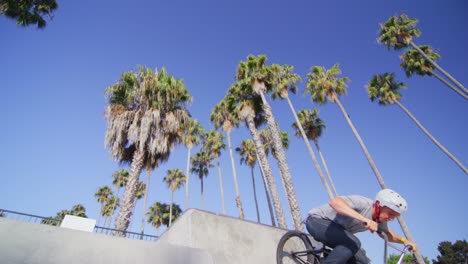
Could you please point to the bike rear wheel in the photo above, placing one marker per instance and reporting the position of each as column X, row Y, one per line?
column 294, row 247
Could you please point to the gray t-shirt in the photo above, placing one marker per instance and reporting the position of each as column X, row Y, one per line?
column 359, row 203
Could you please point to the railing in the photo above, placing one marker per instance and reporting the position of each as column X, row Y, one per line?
column 51, row 221
column 127, row 234
column 28, row 217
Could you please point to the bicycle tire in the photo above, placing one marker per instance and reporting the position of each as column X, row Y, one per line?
column 293, row 247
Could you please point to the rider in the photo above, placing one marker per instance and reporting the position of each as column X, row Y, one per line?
column 334, row 224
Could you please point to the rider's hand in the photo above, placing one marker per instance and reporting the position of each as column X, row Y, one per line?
column 412, row 244
column 371, row 225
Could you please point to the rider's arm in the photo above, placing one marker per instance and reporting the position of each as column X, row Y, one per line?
column 342, row 207
column 393, row 237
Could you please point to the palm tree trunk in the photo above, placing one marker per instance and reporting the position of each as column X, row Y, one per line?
column 255, row 193
column 129, row 194
column 267, row 193
column 100, row 214
column 187, row 174
column 267, row 172
column 130, row 224
column 234, row 174
column 450, row 155
column 283, row 166
column 404, row 227
column 113, row 208
column 326, row 168
column 363, row 146
column 170, row 208
column 439, row 68
column 143, row 215
column 402, row 222
column 309, row 147
column 458, row 91
column 221, row 186
column 202, row 194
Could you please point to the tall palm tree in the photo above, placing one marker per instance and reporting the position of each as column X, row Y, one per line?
column 213, row 144
column 325, row 85
column 414, row 62
column 102, row 195
column 257, row 79
column 28, row 12
column 120, row 179
column 223, row 116
column 313, row 127
column 398, row 33
column 175, row 179
column 155, row 215
column 192, row 134
column 146, row 110
column 248, row 156
column 201, row 163
column 249, row 110
column 384, row 88
column 284, row 82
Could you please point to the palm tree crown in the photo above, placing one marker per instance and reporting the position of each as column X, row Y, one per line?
column 324, row 84
column 414, row 62
column 384, row 88
column 398, row 32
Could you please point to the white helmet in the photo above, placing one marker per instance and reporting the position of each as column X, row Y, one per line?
column 392, row 200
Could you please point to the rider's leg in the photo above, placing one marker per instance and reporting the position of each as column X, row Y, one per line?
column 359, row 258
column 345, row 245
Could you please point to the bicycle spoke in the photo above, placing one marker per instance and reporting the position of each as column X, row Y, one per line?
column 294, row 251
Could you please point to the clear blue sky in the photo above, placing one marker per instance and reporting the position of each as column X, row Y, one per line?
column 53, row 82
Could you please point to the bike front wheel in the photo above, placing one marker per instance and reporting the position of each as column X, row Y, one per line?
column 294, row 247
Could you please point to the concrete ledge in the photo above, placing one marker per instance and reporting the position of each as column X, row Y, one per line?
column 22, row 242
column 227, row 239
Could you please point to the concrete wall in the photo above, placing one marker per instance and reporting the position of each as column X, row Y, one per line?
column 25, row 243
column 227, row 239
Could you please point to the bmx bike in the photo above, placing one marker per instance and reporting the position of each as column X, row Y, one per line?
column 296, row 247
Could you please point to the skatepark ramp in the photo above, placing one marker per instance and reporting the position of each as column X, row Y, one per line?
column 226, row 239
column 196, row 237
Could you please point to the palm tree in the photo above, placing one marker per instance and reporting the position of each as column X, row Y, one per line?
column 176, row 212
column 145, row 110
column 248, row 156
column 324, row 85
column 313, row 126
column 102, row 195
column 223, row 115
column 213, row 144
column 284, row 82
column 28, row 12
column 257, row 79
column 120, row 180
column 175, row 179
column 155, row 215
column 384, row 88
column 249, row 110
column 414, row 62
column 192, row 133
column 201, row 163
column 398, row 33
column 78, row 210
